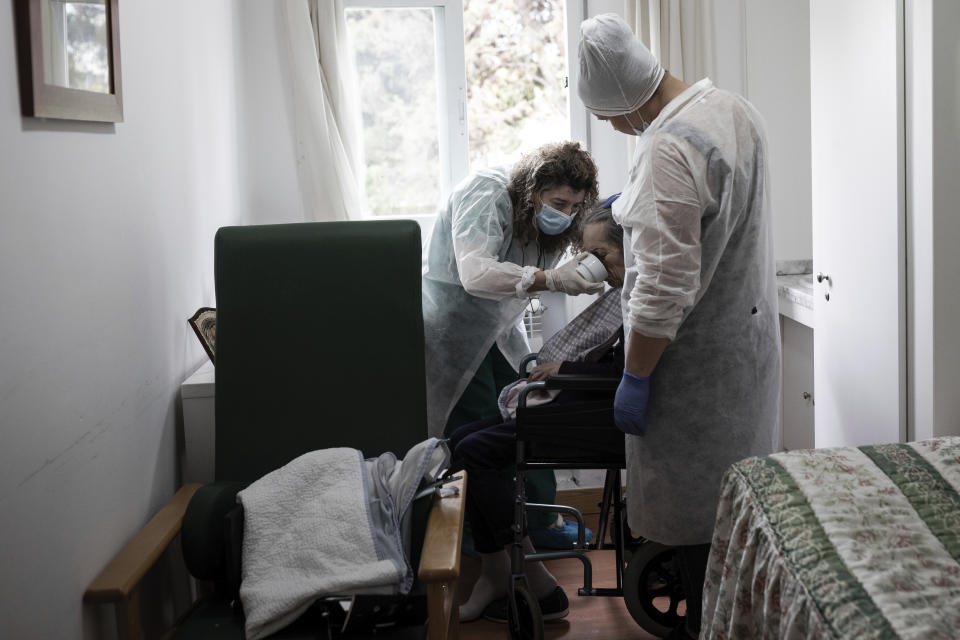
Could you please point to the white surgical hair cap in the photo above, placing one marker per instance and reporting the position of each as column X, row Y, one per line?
column 617, row 73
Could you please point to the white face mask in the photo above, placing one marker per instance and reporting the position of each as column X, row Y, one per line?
column 643, row 126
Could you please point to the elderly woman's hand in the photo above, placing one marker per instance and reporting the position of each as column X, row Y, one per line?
column 544, row 371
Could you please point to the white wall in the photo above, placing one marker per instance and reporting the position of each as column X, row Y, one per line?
column 946, row 222
column 609, row 148
column 106, row 247
column 933, row 227
column 918, row 81
column 729, row 63
column 769, row 40
column 762, row 52
column 269, row 170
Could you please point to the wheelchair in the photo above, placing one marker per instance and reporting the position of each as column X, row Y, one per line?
column 583, row 436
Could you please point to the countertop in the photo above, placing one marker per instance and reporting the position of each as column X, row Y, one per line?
column 795, row 289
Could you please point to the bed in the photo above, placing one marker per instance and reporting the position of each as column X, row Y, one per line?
column 853, row 542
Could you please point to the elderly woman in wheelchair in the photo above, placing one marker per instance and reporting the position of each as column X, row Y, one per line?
column 590, row 345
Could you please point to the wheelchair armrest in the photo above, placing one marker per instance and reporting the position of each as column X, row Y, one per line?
column 569, row 382
column 120, row 578
column 582, row 383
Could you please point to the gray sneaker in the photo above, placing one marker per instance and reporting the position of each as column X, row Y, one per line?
column 552, row 607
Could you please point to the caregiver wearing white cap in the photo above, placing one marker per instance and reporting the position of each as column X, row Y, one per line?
column 701, row 386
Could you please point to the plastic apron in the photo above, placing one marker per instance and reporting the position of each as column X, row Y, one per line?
column 473, row 241
column 715, row 393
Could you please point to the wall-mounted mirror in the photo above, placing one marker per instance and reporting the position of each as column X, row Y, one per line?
column 69, row 53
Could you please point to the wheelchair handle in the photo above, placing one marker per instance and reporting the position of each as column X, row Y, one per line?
column 524, row 361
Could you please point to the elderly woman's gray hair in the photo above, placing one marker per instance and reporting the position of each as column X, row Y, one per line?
column 603, row 216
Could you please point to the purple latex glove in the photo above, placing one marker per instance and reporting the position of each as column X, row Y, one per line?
column 630, row 404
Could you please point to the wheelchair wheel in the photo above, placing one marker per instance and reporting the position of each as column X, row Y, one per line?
column 523, row 614
column 651, row 588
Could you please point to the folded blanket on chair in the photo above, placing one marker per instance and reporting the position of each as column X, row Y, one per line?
column 329, row 523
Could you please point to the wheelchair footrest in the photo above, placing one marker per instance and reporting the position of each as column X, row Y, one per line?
column 604, row 592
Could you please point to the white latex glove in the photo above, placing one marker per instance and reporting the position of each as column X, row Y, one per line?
column 565, row 279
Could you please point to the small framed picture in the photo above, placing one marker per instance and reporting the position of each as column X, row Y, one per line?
column 69, row 59
column 204, row 323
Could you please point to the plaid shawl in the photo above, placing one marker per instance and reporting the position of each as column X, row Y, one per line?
column 589, row 335
column 585, row 339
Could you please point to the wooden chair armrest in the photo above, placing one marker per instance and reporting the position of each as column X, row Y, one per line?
column 120, row 578
column 440, row 559
column 440, row 562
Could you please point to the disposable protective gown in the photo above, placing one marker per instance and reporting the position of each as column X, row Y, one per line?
column 474, row 288
column 700, row 271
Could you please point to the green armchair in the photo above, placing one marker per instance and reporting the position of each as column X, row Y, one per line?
column 319, row 344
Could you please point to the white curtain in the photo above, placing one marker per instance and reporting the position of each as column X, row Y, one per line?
column 329, row 140
column 678, row 32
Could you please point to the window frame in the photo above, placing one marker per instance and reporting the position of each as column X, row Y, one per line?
column 454, row 156
column 452, row 86
column 575, row 12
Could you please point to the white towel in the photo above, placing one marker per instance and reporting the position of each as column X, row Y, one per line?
column 327, row 523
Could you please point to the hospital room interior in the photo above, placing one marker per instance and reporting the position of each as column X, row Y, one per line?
column 270, row 272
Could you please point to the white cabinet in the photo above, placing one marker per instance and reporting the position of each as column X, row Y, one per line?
column 197, row 455
column 883, row 118
column 858, row 202
column 795, row 293
column 797, row 410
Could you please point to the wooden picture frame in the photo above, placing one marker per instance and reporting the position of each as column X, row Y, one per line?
column 204, row 324
column 41, row 98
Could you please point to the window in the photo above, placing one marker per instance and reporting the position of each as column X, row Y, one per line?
column 450, row 84
column 409, row 62
column 516, row 59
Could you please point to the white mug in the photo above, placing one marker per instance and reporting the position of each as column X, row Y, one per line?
column 592, row 269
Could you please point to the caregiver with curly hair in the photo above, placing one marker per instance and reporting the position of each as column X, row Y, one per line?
column 495, row 244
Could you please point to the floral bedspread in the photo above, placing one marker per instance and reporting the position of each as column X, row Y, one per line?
column 853, row 542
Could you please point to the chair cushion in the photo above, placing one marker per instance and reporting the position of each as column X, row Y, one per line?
column 210, row 619
column 203, row 534
column 216, row 619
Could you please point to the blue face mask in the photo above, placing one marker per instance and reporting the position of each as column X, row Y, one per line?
column 553, row 222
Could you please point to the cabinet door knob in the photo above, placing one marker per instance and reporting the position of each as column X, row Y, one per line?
column 823, row 276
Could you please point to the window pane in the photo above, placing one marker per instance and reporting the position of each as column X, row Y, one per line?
column 75, row 44
column 516, row 76
column 87, row 46
column 396, row 67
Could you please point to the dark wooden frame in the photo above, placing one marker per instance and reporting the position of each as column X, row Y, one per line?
column 195, row 324
column 41, row 100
